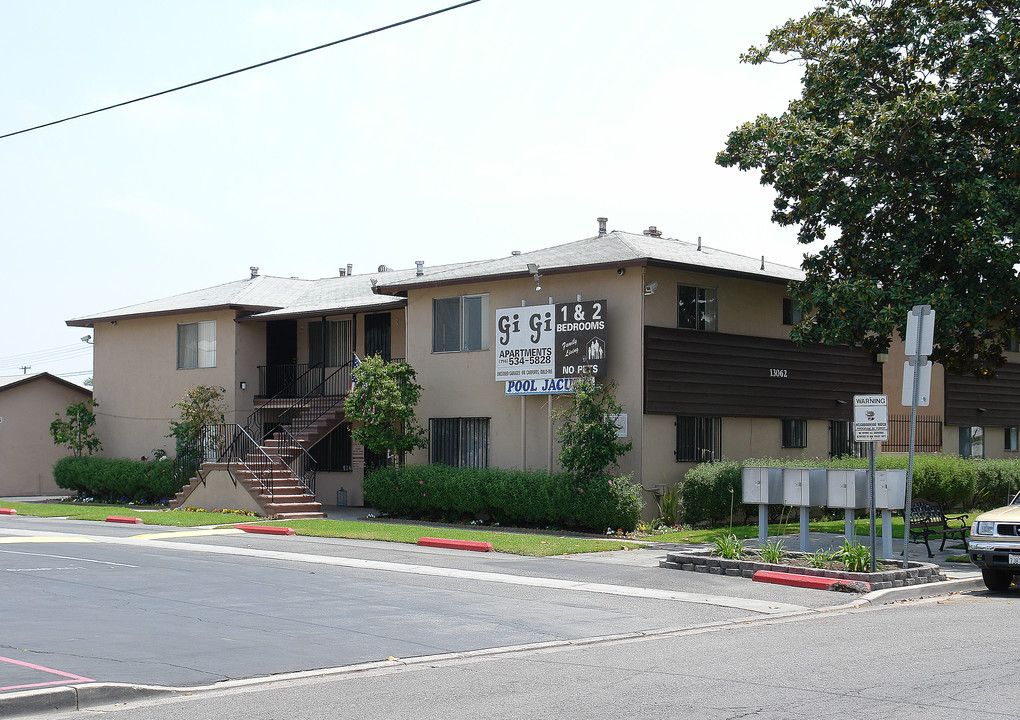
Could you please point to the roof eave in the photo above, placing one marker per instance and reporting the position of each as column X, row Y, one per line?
column 323, row 312
column 91, row 321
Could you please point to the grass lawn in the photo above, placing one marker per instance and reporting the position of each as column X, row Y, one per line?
column 744, row 532
column 516, row 543
column 532, row 544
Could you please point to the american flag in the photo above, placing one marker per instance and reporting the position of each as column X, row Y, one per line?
column 354, row 366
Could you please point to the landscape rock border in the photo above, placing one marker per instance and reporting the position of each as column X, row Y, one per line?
column 918, row 573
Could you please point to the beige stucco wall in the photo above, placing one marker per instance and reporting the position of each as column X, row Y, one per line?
column 136, row 380
column 27, row 452
column 462, row 384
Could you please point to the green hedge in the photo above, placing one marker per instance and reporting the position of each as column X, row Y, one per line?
column 116, row 480
column 955, row 482
column 508, row 497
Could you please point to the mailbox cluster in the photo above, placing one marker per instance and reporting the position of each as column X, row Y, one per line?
column 805, row 488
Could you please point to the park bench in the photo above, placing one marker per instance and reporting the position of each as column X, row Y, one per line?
column 928, row 520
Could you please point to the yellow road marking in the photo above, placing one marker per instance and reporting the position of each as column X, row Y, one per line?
column 171, row 534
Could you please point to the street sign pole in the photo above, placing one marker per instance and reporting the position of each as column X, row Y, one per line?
column 871, row 499
column 920, row 326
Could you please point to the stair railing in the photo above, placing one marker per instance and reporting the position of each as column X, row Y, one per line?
column 246, row 452
column 259, row 419
column 302, row 465
column 319, row 400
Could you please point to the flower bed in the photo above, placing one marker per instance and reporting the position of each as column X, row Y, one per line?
column 918, row 573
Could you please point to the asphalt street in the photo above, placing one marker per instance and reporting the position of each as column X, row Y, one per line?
column 101, row 606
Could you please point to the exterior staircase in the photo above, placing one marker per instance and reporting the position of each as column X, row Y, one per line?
column 267, row 471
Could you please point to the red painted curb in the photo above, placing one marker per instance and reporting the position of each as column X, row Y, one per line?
column 8, row 511
column 131, row 520
column 456, row 544
column 798, row 580
column 266, row 529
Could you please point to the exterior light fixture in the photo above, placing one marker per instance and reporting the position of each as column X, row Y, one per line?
column 533, row 269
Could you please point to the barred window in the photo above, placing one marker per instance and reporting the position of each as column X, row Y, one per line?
column 333, row 452
column 339, row 342
column 460, row 442
column 698, row 439
column 841, row 440
column 794, row 433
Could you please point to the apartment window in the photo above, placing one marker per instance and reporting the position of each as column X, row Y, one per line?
column 459, row 442
column 335, row 346
column 196, row 345
column 333, row 452
column 697, row 308
column 972, row 442
column 1012, row 438
column 792, row 313
column 794, row 433
column 460, row 324
column 841, row 440
column 698, row 439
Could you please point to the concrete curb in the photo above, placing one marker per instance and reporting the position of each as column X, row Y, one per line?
column 455, row 544
column 266, row 529
column 66, row 698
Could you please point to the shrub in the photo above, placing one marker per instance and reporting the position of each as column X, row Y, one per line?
column 111, row 480
column 508, row 497
column 708, row 492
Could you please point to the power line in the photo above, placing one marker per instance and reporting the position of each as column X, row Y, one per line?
column 244, row 69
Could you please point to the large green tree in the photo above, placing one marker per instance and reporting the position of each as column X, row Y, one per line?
column 901, row 157
column 589, row 445
column 77, row 430
column 381, row 404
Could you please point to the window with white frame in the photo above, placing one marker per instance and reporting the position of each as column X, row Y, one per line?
column 460, row 324
column 1012, row 439
column 196, row 345
column 794, row 433
column 459, row 442
column 698, row 439
column 972, row 442
column 697, row 308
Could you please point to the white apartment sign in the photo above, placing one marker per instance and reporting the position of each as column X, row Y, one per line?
column 871, row 418
column 566, row 340
column 525, row 343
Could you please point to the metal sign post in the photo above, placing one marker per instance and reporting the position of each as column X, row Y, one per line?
column 920, row 336
column 871, row 425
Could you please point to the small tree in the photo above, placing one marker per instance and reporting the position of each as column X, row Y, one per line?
column 587, row 433
column 381, row 404
column 77, row 431
column 201, row 405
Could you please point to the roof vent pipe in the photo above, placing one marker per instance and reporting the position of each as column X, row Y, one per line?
column 350, row 269
column 762, row 262
column 254, row 272
column 602, row 226
column 343, row 273
column 419, row 268
column 653, row 231
column 699, row 243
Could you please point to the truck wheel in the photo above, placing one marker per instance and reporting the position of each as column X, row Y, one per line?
column 996, row 580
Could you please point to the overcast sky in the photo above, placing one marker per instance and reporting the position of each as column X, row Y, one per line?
column 504, row 125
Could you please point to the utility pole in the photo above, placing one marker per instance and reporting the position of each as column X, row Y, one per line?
column 25, row 369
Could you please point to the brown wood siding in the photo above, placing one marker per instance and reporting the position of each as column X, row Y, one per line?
column 692, row 372
column 971, row 402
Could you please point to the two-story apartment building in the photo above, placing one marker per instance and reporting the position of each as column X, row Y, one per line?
column 696, row 340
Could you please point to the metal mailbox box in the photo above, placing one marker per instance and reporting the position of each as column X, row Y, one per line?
column 762, row 485
column 804, row 487
column 890, row 489
column 847, row 489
